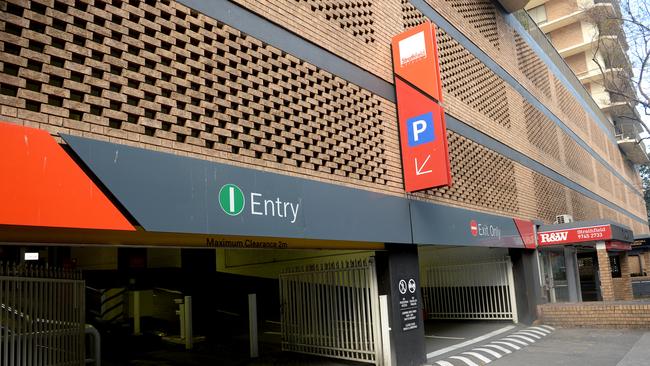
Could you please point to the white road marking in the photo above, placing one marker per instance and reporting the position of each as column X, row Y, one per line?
column 515, row 340
column 529, row 334
column 489, row 351
column 496, row 346
column 548, row 327
column 543, row 330
column 444, row 363
column 273, row 322
column 443, row 337
column 522, row 338
column 478, row 355
column 464, row 359
column 533, row 331
column 508, row 344
column 471, row 341
column 273, row 333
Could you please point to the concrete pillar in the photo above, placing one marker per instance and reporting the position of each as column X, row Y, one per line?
column 604, row 272
column 626, row 280
column 527, row 287
column 646, row 263
column 398, row 276
column 572, row 275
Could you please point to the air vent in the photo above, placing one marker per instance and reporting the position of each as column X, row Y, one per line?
column 563, row 219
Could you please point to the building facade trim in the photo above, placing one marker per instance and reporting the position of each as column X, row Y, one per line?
column 261, row 28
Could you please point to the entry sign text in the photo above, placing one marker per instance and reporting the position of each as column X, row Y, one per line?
column 423, row 134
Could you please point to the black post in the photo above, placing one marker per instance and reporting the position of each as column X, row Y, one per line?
column 399, row 279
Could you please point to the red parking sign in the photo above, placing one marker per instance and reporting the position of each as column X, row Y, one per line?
column 423, row 134
column 422, row 129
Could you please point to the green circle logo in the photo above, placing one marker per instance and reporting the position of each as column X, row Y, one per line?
column 231, row 199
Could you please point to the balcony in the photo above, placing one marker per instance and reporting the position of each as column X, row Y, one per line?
column 573, row 17
column 633, row 148
column 535, row 3
column 591, row 44
column 593, row 75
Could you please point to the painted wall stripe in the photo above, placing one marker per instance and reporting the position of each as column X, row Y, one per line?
column 265, row 30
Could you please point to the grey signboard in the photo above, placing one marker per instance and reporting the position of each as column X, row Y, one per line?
column 169, row 193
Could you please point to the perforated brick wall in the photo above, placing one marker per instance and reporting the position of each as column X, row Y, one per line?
column 464, row 76
column 532, row 66
column 159, row 75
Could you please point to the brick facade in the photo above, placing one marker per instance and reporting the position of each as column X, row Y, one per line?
column 596, row 314
column 159, row 75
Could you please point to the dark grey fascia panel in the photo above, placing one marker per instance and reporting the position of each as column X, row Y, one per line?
column 170, row 193
column 443, row 225
column 492, row 144
column 270, row 33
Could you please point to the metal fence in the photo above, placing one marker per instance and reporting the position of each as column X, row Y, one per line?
column 470, row 291
column 332, row 310
column 41, row 316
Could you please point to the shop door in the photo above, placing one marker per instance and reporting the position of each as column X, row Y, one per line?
column 554, row 275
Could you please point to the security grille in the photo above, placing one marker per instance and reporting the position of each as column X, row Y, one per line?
column 41, row 316
column 332, row 310
column 470, row 291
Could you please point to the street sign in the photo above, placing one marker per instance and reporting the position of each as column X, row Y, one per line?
column 423, row 138
column 415, row 59
column 575, row 235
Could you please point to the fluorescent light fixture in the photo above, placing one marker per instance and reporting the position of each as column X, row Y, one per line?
column 31, row 256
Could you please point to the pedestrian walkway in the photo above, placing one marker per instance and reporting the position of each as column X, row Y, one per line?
column 496, row 349
column 639, row 354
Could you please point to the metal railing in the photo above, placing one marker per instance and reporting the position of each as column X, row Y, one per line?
column 332, row 310
column 470, row 291
column 545, row 44
column 41, row 316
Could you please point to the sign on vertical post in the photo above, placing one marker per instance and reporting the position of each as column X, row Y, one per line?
column 423, row 134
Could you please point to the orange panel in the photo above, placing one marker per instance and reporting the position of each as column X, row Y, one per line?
column 415, row 59
column 40, row 185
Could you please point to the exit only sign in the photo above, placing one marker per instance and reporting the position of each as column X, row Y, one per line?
column 423, row 134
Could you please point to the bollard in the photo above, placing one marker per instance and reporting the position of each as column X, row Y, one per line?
column 136, row 313
column 252, row 324
column 189, row 337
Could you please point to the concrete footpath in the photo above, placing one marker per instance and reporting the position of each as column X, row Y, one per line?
column 582, row 346
column 639, row 355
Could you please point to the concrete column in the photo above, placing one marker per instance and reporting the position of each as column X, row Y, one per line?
column 572, row 275
column 626, row 280
column 398, row 276
column 527, row 288
column 646, row 263
column 604, row 272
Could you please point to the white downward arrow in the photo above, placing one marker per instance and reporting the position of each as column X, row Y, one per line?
column 418, row 169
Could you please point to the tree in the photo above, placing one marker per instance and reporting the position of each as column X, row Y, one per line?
column 644, row 171
column 627, row 73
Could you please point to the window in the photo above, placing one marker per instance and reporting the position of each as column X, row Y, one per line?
column 538, row 14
